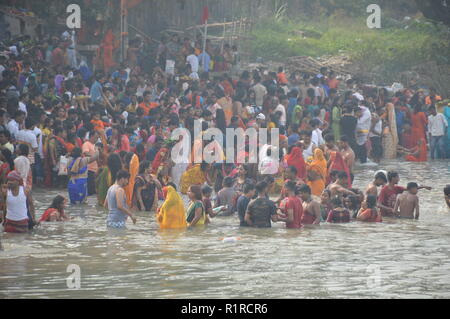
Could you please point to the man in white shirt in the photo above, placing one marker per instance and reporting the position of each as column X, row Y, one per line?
column 15, row 124
column 362, row 132
column 38, row 156
column 316, row 137
column 27, row 137
column 282, row 109
column 193, row 61
column 260, row 92
column 437, row 128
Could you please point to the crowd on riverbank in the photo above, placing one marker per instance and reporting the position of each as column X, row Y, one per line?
column 109, row 133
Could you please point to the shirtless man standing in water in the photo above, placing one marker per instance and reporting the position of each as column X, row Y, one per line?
column 339, row 188
column 407, row 203
column 311, row 209
column 347, row 153
column 380, row 180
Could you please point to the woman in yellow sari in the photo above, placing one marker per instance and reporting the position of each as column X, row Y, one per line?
column 390, row 135
column 317, row 173
column 132, row 165
column 172, row 214
column 196, row 175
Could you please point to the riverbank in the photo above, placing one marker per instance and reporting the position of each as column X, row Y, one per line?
column 383, row 54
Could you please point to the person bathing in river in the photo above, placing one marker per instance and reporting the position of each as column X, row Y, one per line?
column 55, row 213
column 19, row 211
column 291, row 207
column 369, row 212
column 407, row 203
column 116, row 202
column 338, row 214
column 447, row 195
column 339, row 188
column 388, row 195
column 311, row 209
column 380, row 179
column 196, row 214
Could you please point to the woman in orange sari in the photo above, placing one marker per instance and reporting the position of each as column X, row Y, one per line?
column 337, row 163
column 317, row 173
column 418, row 153
column 418, row 123
column 295, row 158
column 132, row 164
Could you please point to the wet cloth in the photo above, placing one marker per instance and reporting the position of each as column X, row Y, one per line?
column 295, row 159
column 172, row 214
column 319, row 166
column 77, row 186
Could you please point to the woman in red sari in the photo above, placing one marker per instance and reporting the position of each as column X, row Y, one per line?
column 337, row 163
column 295, row 158
column 418, row 153
column 159, row 161
column 418, row 123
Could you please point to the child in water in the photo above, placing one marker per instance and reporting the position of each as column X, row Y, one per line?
column 407, row 203
column 55, row 213
column 338, row 214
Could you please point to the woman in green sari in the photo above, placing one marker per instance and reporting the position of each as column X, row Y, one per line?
column 336, row 121
column 107, row 176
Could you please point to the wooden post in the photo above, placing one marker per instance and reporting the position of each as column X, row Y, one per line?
column 223, row 36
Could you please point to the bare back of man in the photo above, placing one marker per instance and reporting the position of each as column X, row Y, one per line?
column 405, row 206
column 349, row 158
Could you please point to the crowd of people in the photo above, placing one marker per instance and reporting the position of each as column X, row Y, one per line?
column 108, row 133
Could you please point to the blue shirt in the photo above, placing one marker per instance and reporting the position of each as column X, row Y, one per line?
column 294, row 138
column 96, row 90
column 400, row 116
column 207, row 61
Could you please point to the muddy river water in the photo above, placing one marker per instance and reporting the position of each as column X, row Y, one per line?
column 395, row 259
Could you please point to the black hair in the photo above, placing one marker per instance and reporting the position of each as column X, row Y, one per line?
column 334, row 173
column 197, row 191
column 291, row 185
column 143, row 166
column 248, row 188
column 206, row 190
column 228, row 182
column 57, row 202
column 329, row 138
column 382, row 176
column 306, row 133
column 412, row 185
column 76, row 152
column 304, row 189
column 371, row 201
column 269, row 179
column 29, row 123
column 447, row 190
column 8, row 157
column 392, row 175
column 24, row 149
column 122, row 174
column 336, row 202
column 114, row 165
column 261, row 187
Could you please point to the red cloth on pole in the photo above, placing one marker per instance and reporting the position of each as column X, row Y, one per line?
column 205, row 15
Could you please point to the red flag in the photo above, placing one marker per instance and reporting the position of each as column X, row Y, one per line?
column 205, row 15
